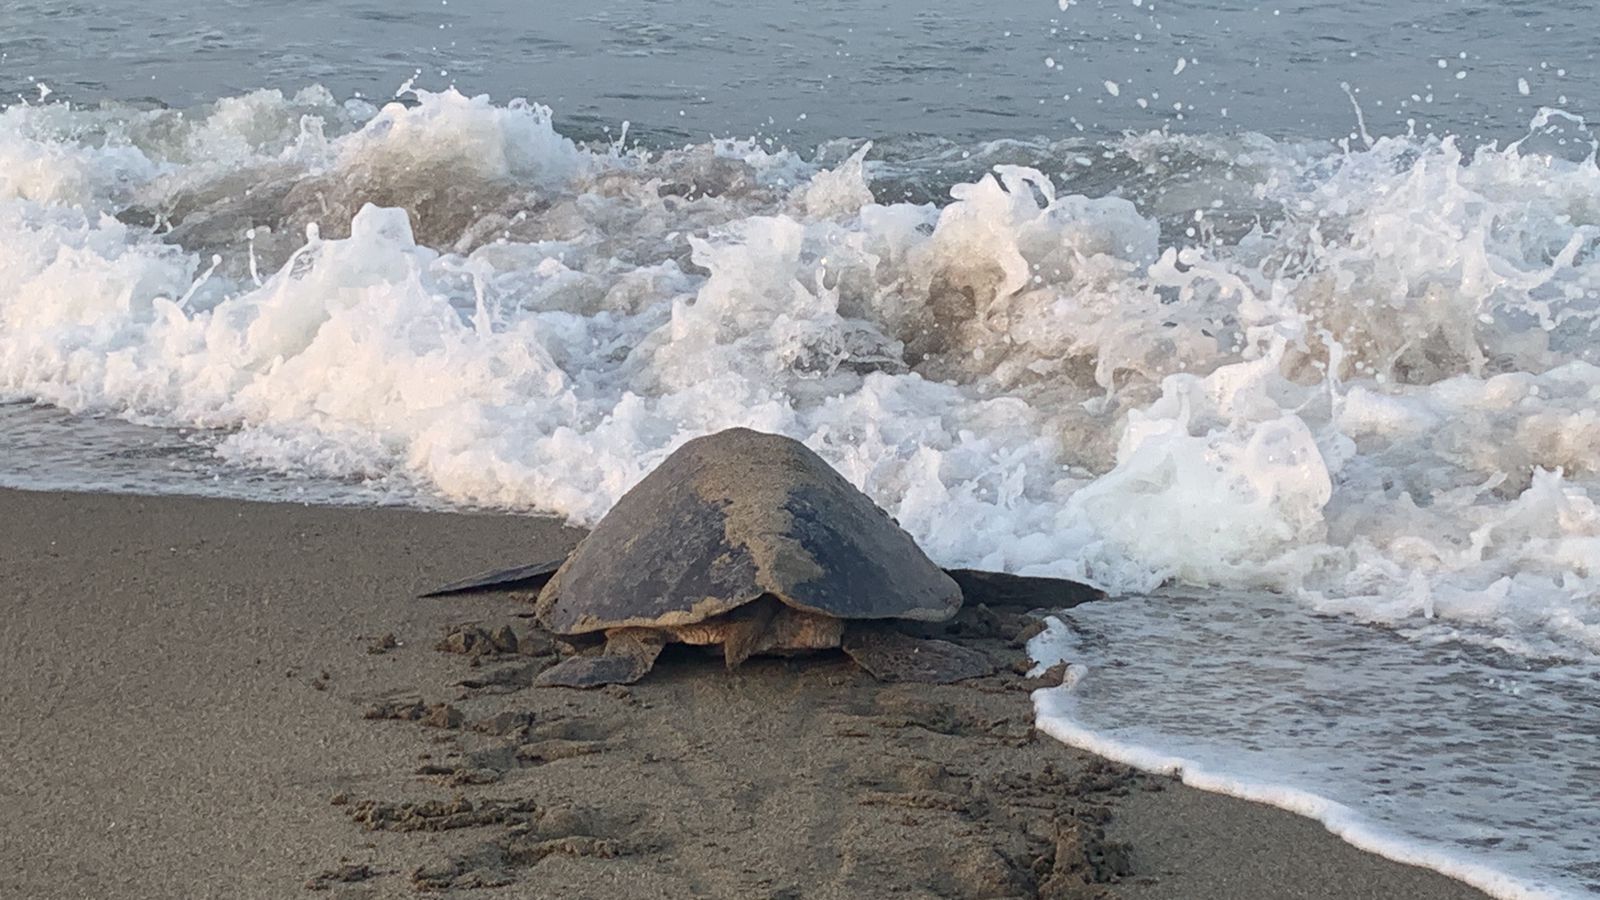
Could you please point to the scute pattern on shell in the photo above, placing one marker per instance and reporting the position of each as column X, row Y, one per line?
column 731, row 517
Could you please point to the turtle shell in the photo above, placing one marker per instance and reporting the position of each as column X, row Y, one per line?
column 734, row 516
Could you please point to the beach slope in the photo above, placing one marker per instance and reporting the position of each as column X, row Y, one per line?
column 220, row 699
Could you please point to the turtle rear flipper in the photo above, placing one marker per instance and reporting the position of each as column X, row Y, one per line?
column 747, row 630
column 1023, row 591
column 889, row 655
column 520, row 578
column 629, row 654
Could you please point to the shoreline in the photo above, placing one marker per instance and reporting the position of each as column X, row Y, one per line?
column 1337, row 819
column 190, row 678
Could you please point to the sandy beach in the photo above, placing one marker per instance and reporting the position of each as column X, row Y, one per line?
column 202, row 699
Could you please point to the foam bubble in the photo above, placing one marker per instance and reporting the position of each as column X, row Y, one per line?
column 1367, row 385
column 1363, row 382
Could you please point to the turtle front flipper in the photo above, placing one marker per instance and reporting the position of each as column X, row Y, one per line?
column 520, row 578
column 629, row 653
column 889, row 655
column 1024, row 591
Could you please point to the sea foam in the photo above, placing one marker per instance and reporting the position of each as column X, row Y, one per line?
column 1378, row 397
column 1362, row 382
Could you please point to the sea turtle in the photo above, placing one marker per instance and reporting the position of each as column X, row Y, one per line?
column 750, row 541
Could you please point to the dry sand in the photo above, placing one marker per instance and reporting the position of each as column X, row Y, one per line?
column 186, row 688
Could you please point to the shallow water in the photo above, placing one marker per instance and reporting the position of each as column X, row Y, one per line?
column 1347, row 386
column 45, row 448
column 1420, row 746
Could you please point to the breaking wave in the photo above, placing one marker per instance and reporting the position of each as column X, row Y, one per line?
column 1363, row 377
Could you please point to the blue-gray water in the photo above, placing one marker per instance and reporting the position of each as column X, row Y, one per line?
column 1292, row 304
column 839, row 68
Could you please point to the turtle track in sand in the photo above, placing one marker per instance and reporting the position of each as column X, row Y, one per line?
column 797, row 777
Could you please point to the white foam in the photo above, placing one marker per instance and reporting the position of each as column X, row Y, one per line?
column 1364, row 380
column 1380, row 401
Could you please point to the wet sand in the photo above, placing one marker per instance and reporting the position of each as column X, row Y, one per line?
column 199, row 701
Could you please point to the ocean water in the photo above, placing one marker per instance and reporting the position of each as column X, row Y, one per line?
column 1277, row 319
